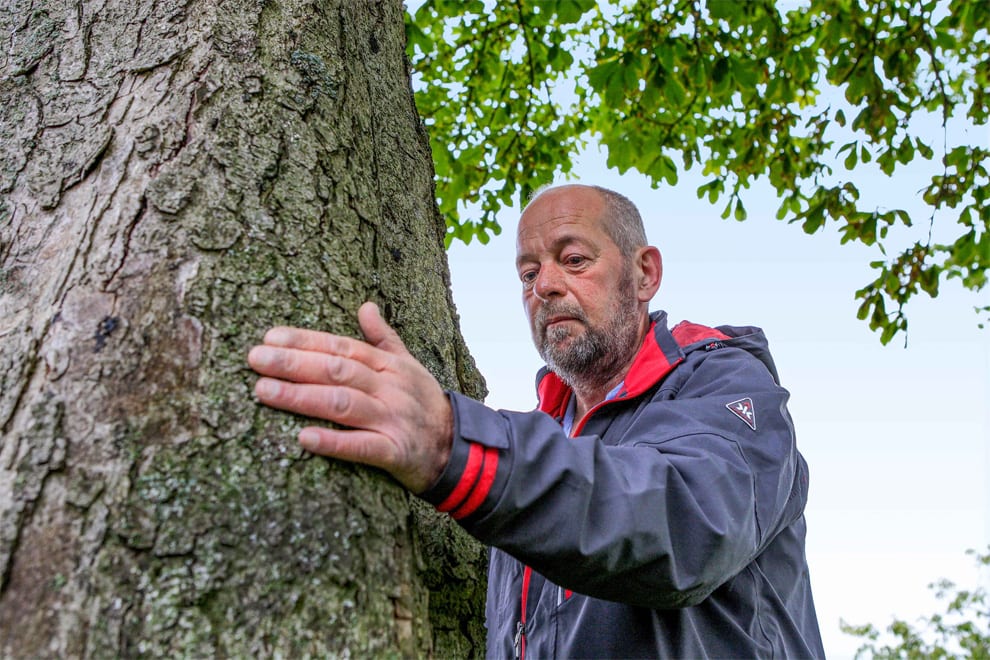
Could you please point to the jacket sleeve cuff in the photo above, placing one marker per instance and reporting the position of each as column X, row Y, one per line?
column 480, row 436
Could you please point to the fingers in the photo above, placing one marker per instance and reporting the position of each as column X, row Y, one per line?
column 343, row 405
column 358, row 446
column 377, row 331
column 369, row 448
column 312, row 367
column 324, row 342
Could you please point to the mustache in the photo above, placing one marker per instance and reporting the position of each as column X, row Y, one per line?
column 553, row 310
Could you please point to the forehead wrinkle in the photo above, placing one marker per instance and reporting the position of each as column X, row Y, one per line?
column 555, row 246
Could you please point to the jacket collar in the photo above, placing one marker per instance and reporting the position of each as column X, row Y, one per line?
column 661, row 351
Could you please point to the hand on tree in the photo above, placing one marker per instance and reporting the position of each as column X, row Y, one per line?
column 399, row 417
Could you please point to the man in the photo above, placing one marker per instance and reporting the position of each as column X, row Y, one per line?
column 652, row 507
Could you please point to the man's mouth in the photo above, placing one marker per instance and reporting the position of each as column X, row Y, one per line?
column 548, row 317
column 559, row 319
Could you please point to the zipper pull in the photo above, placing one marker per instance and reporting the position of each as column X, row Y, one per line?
column 517, row 642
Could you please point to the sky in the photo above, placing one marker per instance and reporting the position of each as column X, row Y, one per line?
column 896, row 437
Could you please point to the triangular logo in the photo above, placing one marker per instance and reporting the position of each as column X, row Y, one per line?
column 744, row 410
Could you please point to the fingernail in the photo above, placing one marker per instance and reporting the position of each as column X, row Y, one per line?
column 309, row 439
column 277, row 337
column 261, row 356
column 266, row 388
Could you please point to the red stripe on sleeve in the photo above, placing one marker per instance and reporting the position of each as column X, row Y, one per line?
column 468, row 477
column 484, row 485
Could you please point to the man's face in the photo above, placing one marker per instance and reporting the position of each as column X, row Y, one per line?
column 578, row 289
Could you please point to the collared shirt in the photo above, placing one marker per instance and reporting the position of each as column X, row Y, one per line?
column 571, row 411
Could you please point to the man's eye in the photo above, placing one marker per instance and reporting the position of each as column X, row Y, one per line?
column 574, row 260
column 528, row 277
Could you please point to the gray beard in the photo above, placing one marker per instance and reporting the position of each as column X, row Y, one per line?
column 593, row 358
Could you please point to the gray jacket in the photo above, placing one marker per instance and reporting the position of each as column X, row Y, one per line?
column 669, row 525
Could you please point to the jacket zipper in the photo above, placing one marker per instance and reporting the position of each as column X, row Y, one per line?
column 519, row 642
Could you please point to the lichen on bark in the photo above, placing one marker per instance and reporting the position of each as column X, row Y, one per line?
column 180, row 176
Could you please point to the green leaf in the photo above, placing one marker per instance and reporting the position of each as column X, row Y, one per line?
column 740, row 213
column 571, row 11
column 674, row 92
column 729, row 10
column 599, row 75
column 721, row 70
column 889, row 330
column 745, row 72
column 851, row 160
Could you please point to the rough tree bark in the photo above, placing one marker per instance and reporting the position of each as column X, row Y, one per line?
column 177, row 176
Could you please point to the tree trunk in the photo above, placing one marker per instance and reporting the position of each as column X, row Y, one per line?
column 177, row 176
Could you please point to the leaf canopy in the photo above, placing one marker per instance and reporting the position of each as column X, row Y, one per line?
column 801, row 96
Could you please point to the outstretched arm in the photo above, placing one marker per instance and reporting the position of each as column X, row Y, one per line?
column 399, row 418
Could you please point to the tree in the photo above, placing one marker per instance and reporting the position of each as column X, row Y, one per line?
column 176, row 177
column 802, row 97
column 963, row 631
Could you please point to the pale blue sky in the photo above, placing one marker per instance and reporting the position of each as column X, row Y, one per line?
column 896, row 438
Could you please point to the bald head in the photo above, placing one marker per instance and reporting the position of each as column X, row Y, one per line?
column 620, row 218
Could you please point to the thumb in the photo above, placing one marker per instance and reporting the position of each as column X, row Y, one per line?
column 379, row 333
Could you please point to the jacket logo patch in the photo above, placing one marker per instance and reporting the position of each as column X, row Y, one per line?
column 744, row 410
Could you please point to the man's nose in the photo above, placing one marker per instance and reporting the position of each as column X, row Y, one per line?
column 549, row 283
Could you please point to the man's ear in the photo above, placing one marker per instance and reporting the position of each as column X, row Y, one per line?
column 649, row 272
